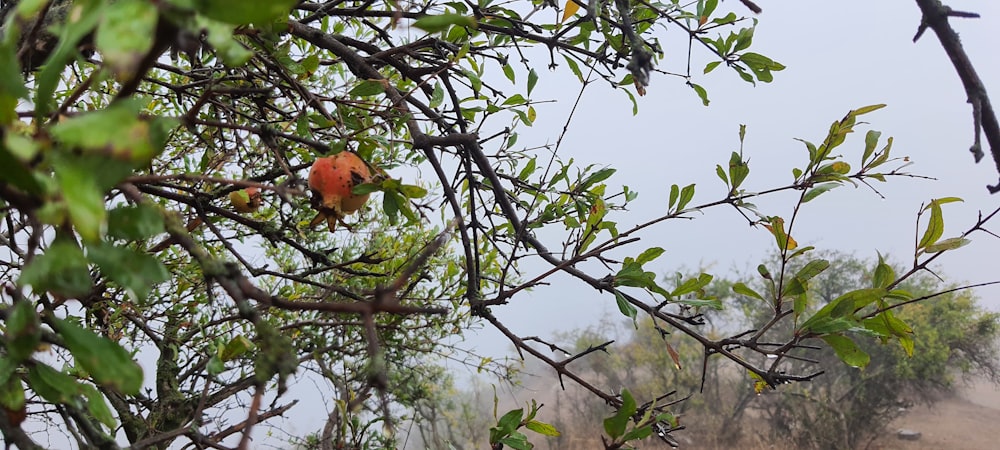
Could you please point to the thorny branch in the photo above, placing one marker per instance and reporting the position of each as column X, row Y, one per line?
column 984, row 119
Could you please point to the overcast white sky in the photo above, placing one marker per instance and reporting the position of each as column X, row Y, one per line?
column 839, row 56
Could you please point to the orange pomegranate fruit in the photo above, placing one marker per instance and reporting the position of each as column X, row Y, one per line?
column 331, row 181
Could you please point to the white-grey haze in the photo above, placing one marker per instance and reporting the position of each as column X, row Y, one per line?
column 839, row 56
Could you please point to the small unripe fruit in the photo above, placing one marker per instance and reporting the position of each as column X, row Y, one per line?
column 245, row 200
column 331, row 180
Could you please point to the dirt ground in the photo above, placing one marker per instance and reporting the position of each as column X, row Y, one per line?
column 969, row 421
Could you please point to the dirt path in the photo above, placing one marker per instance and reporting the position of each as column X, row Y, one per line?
column 969, row 421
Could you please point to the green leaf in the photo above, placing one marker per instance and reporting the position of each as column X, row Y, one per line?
column 811, row 269
column 744, row 75
column 510, row 421
column 687, row 193
column 871, row 141
column 794, row 287
column 133, row 223
column 738, row 170
column 713, row 303
column 799, row 306
column 896, row 326
column 826, row 325
column 437, row 97
column 125, row 35
column 7, row 368
column 625, row 307
column 799, row 283
column 946, row 200
column 847, row 350
column 368, row 88
column 516, row 99
column 946, row 244
column 220, row 37
column 366, row 188
column 818, row 190
column 800, row 251
column 242, row 12
column 84, row 200
column 883, row 275
column 727, row 19
column 722, row 174
column 595, row 178
column 136, row 271
column 709, row 8
column 310, row 64
column 907, row 344
column 24, row 331
column 935, row 226
column 674, row 193
column 574, row 67
column 16, row 171
column 12, row 394
column 532, row 81
column 743, row 39
column 215, row 365
column 236, row 347
column 542, row 428
column 98, row 406
column 761, row 65
column 29, row 8
column 632, row 274
column 692, row 284
column 62, row 270
column 881, row 157
column 742, row 289
column 867, row 109
column 441, row 22
column 638, row 433
column 411, row 191
column 527, row 170
column 106, row 361
column 615, row 425
column 702, row 93
column 508, row 71
column 517, row 441
column 391, row 205
column 762, row 270
column 11, row 82
column 649, row 254
column 711, row 66
column 475, row 81
column 843, row 306
column 51, row 384
column 117, row 131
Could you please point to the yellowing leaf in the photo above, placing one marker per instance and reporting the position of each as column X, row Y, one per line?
column 792, row 245
column 758, row 383
column 571, row 8
column 841, row 167
column 777, row 228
